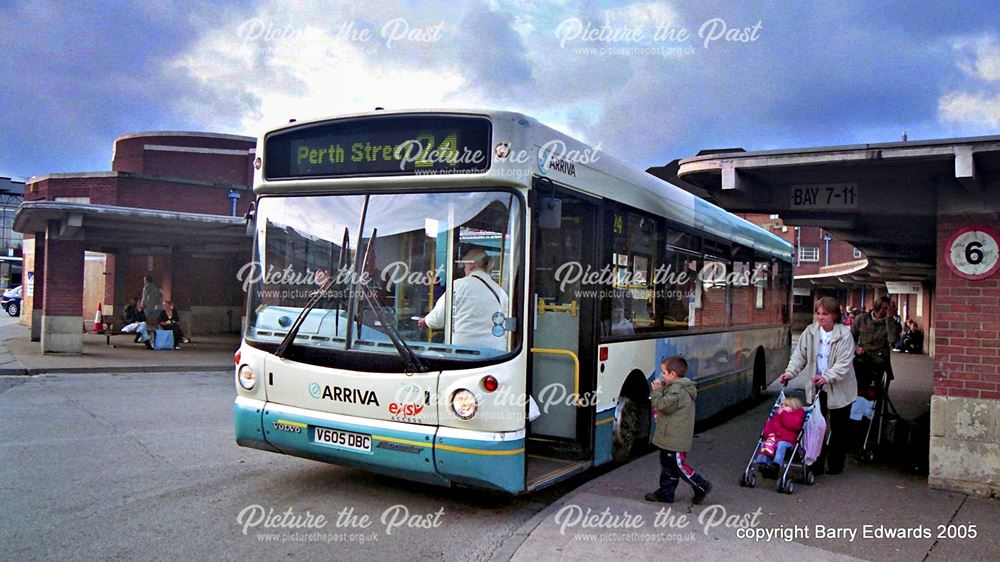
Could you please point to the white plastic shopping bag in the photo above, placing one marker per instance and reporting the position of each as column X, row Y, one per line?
column 814, row 434
column 533, row 411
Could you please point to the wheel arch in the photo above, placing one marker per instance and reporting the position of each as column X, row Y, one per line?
column 635, row 389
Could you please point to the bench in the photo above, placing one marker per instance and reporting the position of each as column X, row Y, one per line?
column 110, row 329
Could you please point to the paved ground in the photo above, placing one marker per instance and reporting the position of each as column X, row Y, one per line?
column 20, row 356
column 874, row 495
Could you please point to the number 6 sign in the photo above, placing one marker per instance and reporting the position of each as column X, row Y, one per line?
column 973, row 252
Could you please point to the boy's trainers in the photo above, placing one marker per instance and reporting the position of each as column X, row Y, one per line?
column 654, row 497
column 699, row 497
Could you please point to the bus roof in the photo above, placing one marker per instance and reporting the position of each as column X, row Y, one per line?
column 583, row 167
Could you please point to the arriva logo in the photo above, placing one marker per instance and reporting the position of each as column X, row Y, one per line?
column 343, row 394
column 553, row 155
column 315, row 390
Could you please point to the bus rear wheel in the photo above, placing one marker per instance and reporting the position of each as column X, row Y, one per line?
column 628, row 429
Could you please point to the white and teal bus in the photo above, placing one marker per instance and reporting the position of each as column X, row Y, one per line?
column 361, row 223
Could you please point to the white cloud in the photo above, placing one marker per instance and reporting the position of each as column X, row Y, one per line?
column 978, row 104
column 647, row 15
column 972, row 109
column 979, row 57
column 260, row 71
column 257, row 71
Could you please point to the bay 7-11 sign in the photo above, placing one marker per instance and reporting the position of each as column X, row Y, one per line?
column 823, row 196
column 973, row 252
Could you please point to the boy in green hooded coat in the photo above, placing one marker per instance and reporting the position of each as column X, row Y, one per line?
column 673, row 398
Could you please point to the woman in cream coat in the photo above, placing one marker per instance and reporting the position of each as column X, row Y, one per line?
column 825, row 354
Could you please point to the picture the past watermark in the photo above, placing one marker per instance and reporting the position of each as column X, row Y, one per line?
column 669, row 524
column 268, row 524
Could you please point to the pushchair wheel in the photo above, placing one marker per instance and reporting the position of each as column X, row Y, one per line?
column 743, row 480
column 867, row 456
column 810, row 477
column 785, row 486
column 752, row 480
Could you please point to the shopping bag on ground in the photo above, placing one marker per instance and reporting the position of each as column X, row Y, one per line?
column 163, row 339
column 814, row 435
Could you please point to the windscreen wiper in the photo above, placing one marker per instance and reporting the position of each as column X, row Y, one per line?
column 345, row 251
column 286, row 342
column 413, row 363
column 352, row 304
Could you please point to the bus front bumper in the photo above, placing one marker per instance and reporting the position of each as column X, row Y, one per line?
column 429, row 454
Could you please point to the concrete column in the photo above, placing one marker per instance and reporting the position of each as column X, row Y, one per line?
column 62, row 306
column 39, row 288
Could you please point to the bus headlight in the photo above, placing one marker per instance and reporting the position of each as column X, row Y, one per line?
column 246, row 377
column 464, row 404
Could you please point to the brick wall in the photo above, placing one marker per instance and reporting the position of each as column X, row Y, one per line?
column 223, row 168
column 138, row 266
column 63, row 283
column 966, row 318
column 143, row 194
column 167, row 196
column 840, row 252
column 131, row 156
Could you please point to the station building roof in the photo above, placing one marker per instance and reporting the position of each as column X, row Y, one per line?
column 883, row 198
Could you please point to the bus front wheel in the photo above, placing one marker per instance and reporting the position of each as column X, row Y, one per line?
column 628, row 429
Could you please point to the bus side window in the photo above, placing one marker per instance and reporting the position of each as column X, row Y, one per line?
column 677, row 284
column 741, row 286
column 628, row 304
column 715, row 289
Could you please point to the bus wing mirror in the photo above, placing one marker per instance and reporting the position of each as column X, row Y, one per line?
column 550, row 213
column 251, row 219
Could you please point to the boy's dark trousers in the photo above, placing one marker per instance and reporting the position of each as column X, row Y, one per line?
column 672, row 468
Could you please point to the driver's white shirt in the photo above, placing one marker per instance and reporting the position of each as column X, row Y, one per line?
column 473, row 307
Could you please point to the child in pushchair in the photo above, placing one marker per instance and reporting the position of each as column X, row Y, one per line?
column 781, row 445
column 782, row 431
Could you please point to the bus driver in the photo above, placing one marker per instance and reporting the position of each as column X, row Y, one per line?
column 476, row 299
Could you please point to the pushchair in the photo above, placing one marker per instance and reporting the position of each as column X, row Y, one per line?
column 795, row 458
column 884, row 423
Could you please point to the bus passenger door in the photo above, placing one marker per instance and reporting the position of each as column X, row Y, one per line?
column 562, row 339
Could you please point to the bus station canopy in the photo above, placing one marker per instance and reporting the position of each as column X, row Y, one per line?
column 882, row 198
column 113, row 229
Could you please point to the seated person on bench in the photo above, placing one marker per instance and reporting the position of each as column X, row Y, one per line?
column 132, row 314
column 171, row 320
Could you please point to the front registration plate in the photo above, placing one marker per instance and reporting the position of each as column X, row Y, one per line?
column 343, row 439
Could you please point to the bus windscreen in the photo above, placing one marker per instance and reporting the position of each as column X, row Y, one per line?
column 380, row 146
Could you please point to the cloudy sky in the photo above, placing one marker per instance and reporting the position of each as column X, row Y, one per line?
column 649, row 81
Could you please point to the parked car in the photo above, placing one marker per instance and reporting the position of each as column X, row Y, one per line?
column 11, row 301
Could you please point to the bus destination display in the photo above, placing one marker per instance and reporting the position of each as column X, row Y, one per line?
column 390, row 145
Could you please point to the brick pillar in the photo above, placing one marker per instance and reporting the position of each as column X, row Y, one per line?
column 123, row 297
column 965, row 408
column 62, row 305
column 38, row 291
column 110, row 289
